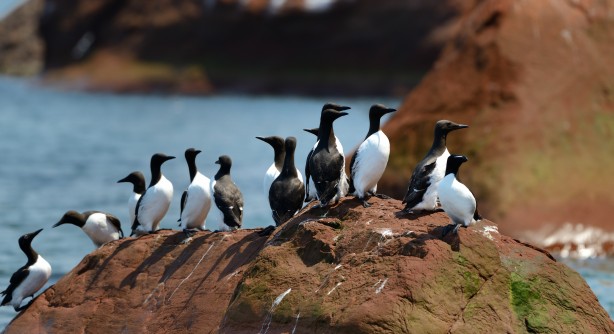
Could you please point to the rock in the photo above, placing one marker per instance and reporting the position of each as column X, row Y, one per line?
column 534, row 80
column 354, row 47
column 21, row 49
column 356, row 271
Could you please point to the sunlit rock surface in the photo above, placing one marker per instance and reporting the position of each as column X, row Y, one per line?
column 355, row 271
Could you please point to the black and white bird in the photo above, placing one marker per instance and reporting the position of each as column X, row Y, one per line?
column 287, row 192
column 422, row 191
column 310, row 188
column 196, row 199
column 311, row 192
column 100, row 227
column 154, row 203
column 138, row 188
column 227, row 213
column 456, row 199
column 29, row 278
column 371, row 157
column 278, row 162
column 326, row 165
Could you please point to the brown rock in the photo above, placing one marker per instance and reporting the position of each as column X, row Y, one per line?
column 21, row 49
column 534, row 80
column 356, row 271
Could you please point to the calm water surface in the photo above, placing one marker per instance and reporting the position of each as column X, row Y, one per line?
column 66, row 150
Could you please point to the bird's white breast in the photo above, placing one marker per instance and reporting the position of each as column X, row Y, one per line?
column 99, row 231
column 155, row 204
column 271, row 174
column 198, row 203
column 456, row 200
column 39, row 274
column 429, row 200
column 371, row 160
column 134, row 198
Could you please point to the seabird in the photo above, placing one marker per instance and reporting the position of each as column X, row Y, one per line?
column 310, row 188
column 138, row 188
column 371, row 157
column 326, row 165
column 29, row 278
column 287, row 192
column 100, row 227
column 196, row 199
column 278, row 162
column 422, row 191
column 154, row 203
column 310, row 185
column 227, row 196
column 456, row 199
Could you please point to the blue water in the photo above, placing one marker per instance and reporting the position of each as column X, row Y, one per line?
column 66, row 150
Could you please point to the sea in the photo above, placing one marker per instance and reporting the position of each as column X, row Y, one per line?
column 64, row 150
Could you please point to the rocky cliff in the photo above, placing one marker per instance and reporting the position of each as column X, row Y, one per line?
column 21, row 48
column 355, row 270
column 190, row 46
column 535, row 80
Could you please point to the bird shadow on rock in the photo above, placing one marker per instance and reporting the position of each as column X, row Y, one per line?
column 445, row 234
column 161, row 251
column 253, row 244
column 185, row 254
column 414, row 215
column 91, row 264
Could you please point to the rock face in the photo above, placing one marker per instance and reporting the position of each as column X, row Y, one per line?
column 21, row 48
column 535, row 80
column 351, row 47
column 356, row 271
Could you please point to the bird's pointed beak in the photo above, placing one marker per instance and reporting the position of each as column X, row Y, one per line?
column 123, row 180
column 264, row 139
column 217, row 162
column 343, row 113
column 389, row 110
column 35, row 233
column 345, row 108
column 461, row 126
column 58, row 224
column 169, row 158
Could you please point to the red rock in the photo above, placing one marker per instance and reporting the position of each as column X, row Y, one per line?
column 356, row 271
column 533, row 79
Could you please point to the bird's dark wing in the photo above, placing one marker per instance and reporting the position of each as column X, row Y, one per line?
column 184, row 199
column 352, row 162
column 136, row 223
column 286, row 200
column 229, row 200
column 18, row 277
column 307, row 174
column 419, row 183
column 115, row 222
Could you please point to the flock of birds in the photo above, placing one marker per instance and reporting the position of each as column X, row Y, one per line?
column 219, row 202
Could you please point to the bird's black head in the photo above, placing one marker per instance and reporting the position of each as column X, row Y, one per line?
column 159, row 158
column 445, row 126
column 191, row 153
column 138, row 181
column 276, row 142
column 334, row 106
column 454, row 162
column 313, row 131
column 379, row 110
column 329, row 115
column 26, row 239
column 71, row 217
column 224, row 161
